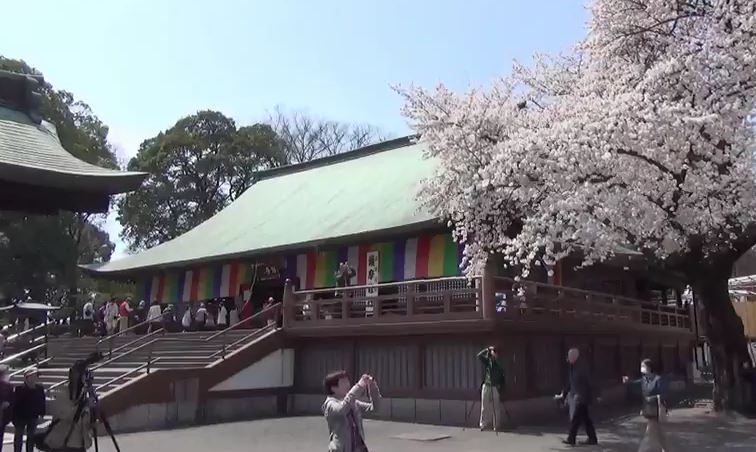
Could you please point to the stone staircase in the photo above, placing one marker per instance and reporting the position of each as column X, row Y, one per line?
column 129, row 354
column 126, row 357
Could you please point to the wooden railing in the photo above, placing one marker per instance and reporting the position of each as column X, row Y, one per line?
column 527, row 300
column 410, row 301
column 458, row 298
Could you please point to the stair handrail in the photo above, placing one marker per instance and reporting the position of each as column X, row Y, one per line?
column 222, row 334
column 14, row 337
column 257, row 332
column 18, row 355
column 242, row 322
column 121, row 333
column 37, row 364
column 138, row 339
column 128, row 373
column 110, row 360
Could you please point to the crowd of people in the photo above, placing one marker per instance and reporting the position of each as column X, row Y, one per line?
column 117, row 315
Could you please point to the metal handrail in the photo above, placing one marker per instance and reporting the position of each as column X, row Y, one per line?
column 37, row 364
column 222, row 351
column 110, row 360
column 242, row 322
column 14, row 337
column 129, row 373
column 138, row 339
column 222, row 334
column 121, row 333
column 22, row 354
column 104, row 363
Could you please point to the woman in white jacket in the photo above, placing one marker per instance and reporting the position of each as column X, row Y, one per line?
column 155, row 317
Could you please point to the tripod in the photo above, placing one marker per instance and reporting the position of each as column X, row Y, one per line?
column 493, row 407
column 91, row 399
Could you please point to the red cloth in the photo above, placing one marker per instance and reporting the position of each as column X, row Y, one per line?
column 123, row 310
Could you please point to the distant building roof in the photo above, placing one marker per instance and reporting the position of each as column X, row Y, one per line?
column 369, row 190
column 36, row 173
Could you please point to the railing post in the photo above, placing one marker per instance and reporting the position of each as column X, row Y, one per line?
column 411, row 290
column 288, row 303
column 488, row 300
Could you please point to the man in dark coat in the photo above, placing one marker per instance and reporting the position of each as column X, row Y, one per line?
column 29, row 409
column 6, row 398
column 579, row 394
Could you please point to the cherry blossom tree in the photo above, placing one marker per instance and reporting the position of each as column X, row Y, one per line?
column 641, row 137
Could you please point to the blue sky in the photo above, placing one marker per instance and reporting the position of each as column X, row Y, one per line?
column 141, row 65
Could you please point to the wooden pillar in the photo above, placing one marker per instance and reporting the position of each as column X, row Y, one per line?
column 488, row 300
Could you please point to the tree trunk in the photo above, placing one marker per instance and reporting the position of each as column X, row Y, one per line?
column 726, row 337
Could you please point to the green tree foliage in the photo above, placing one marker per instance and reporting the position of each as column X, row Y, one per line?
column 39, row 255
column 196, row 167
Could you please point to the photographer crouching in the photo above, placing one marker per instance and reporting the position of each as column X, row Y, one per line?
column 75, row 410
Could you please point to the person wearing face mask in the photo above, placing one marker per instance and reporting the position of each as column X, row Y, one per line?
column 29, row 408
column 654, row 408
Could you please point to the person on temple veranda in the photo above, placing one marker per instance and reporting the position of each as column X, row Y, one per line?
column 343, row 411
column 491, row 409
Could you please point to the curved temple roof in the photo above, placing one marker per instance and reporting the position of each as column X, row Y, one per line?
column 36, row 173
column 369, row 190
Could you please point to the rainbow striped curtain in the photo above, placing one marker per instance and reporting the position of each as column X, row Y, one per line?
column 427, row 256
column 195, row 284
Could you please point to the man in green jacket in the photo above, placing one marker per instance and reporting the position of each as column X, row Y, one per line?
column 493, row 382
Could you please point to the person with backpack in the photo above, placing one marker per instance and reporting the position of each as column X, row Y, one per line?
column 491, row 408
column 29, row 409
column 201, row 317
column 186, row 319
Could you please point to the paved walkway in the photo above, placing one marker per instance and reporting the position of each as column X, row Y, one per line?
column 692, row 430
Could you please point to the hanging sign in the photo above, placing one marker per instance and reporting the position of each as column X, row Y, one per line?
column 371, row 273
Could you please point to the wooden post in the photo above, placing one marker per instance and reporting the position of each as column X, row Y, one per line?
column 488, row 300
column 288, row 303
column 411, row 290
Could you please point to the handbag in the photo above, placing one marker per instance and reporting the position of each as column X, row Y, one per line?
column 651, row 407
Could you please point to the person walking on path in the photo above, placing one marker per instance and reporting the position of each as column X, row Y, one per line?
column 654, row 392
column 491, row 389
column 28, row 410
column 343, row 411
column 578, row 394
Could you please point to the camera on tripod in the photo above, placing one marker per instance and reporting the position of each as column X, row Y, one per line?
column 75, row 425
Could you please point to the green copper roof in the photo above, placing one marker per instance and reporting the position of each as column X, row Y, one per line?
column 365, row 191
column 31, row 154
